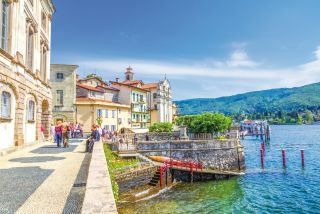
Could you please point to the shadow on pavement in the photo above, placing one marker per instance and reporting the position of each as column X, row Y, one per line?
column 36, row 159
column 53, row 149
column 18, row 184
column 76, row 196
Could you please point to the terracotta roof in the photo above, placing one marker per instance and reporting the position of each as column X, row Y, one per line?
column 150, row 85
column 132, row 86
column 132, row 82
column 89, row 87
column 108, row 88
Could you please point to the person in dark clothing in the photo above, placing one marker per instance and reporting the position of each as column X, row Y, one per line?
column 95, row 136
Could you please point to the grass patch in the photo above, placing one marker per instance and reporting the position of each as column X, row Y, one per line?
column 115, row 162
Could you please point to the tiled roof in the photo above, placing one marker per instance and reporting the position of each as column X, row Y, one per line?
column 89, row 87
column 150, row 85
column 109, row 88
column 128, row 85
column 132, row 82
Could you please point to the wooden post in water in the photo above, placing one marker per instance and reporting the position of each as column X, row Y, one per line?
column 262, row 158
column 302, row 158
column 284, row 158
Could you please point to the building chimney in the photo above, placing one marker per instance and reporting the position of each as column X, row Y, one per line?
column 117, row 79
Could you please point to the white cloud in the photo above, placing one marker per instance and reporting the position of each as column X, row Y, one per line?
column 239, row 73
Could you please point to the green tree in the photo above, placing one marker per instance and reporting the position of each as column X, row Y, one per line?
column 161, row 127
column 308, row 116
column 94, row 75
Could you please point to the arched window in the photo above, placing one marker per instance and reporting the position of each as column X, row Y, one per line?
column 30, row 110
column 30, row 47
column 5, row 104
column 4, row 17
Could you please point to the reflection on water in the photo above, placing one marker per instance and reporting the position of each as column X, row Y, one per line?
column 272, row 190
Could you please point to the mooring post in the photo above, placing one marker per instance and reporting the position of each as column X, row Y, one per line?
column 191, row 171
column 302, row 158
column 284, row 158
column 262, row 158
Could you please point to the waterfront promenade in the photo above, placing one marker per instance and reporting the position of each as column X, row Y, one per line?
column 44, row 179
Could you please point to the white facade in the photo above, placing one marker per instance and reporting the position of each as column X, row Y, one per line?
column 25, row 33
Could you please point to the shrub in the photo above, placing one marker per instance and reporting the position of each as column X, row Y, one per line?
column 161, row 127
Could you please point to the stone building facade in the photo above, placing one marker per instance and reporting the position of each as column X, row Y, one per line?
column 63, row 86
column 26, row 99
column 132, row 93
column 160, row 101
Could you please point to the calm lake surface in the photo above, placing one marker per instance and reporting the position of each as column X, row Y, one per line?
column 272, row 190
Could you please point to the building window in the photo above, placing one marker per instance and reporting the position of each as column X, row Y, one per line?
column 113, row 128
column 141, row 98
column 137, row 97
column 60, row 76
column 31, row 2
column 134, row 97
column 113, row 113
column 5, row 104
column 154, row 95
column 30, row 47
column 107, row 127
column 119, row 111
column 30, row 110
column 60, row 97
column 134, row 116
column 155, row 106
column 43, row 65
column 92, row 93
column 44, row 21
column 4, row 24
column 106, row 113
column 99, row 112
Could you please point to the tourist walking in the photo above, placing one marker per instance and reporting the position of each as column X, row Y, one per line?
column 42, row 130
column 65, row 134
column 58, row 133
column 52, row 133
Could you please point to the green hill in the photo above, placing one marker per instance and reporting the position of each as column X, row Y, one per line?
column 298, row 99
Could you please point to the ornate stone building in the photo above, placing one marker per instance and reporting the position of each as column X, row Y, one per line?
column 24, row 70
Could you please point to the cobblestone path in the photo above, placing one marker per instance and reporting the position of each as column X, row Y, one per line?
column 44, row 179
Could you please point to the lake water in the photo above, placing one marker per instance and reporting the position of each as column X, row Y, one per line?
column 272, row 190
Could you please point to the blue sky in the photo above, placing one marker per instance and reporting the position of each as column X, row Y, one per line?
column 207, row 48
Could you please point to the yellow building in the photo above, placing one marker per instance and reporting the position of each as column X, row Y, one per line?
column 97, row 102
column 114, row 116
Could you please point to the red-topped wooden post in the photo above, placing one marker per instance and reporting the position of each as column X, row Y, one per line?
column 284, row 158
column 302, row 158
column 262, row 158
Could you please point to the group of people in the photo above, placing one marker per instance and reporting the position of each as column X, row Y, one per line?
column 63, row 131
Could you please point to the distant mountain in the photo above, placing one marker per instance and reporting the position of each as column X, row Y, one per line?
column 274, row 100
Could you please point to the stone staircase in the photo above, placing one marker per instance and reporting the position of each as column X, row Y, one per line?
column 155, row 179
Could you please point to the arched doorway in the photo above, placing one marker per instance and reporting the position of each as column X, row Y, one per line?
column 45, row 116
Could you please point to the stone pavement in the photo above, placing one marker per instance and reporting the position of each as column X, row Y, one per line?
column 44, row 179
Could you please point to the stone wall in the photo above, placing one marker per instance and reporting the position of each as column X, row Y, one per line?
column 135, row 178
column 214, row 154
column 152, row 136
